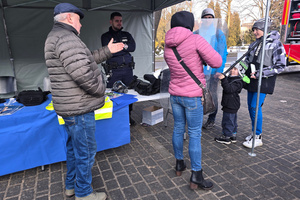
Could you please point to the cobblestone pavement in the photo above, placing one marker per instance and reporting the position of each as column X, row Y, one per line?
column 144, row 169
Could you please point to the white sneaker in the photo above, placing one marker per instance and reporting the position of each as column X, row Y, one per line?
column 257, row 142
column 93, row 196
column 249, row 137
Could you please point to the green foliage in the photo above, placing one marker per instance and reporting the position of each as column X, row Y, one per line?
column 218, row 11
column 248, row 37
column 211, row 5
column 234, row 31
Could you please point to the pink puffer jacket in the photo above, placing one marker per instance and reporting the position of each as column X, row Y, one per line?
column 193, row 49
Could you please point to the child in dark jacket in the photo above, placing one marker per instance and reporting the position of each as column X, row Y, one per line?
column 232, row 86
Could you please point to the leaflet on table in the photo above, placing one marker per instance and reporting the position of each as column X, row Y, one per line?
column 8, row 110
column 112, row 94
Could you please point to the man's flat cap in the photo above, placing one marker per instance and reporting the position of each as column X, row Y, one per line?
column 67, row 8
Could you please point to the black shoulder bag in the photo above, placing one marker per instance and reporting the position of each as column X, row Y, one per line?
column 207, row 101
column 32, row 97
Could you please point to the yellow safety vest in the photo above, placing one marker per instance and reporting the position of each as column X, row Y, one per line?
column 102, row 113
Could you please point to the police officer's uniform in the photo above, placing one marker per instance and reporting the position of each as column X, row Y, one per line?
column 121, row 64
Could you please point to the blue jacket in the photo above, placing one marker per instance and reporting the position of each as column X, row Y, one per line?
column 122, row 57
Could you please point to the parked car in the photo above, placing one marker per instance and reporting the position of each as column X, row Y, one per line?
column 234, row 49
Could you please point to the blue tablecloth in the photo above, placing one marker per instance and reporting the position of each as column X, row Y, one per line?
column 32, row 137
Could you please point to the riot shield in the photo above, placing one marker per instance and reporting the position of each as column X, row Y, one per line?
column 215, row 32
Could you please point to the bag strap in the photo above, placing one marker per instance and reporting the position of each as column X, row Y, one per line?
column 187, row 69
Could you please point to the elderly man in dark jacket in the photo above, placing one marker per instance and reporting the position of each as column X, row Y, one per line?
column 77, row 90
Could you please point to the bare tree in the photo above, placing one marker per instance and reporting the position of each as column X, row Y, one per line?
column 255, row 9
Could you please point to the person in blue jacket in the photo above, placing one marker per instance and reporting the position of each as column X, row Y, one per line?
column 121, row 64
column 217, row 39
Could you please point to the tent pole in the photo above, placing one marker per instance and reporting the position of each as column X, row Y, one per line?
column 8, row 45
column 153, row 35
column 260, row 75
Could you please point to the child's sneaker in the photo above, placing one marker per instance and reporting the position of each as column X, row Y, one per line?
column 257, row 142
column 223, row 139
column 233, row 138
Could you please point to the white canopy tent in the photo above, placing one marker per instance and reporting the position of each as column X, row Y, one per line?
column 24, row 26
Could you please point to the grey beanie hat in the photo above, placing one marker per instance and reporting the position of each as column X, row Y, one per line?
column 260, row 24
column 208, row 11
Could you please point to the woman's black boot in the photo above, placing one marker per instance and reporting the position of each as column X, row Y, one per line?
column 180, row 167
column 198, row 180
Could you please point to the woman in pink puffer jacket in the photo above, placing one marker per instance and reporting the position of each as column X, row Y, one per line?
column 185, row 93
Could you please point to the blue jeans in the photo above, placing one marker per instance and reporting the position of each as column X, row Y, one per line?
column 187, row 110
column 252, row 98
column 229, row 124
column 81, row 151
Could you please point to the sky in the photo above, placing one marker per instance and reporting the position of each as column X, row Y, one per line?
column 236, row 5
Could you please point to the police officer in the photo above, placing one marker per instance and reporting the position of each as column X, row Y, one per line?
column 121, row 64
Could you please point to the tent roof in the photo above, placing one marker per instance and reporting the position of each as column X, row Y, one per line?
column 90, row 5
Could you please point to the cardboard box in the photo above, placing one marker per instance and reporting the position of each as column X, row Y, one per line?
column 153, row 115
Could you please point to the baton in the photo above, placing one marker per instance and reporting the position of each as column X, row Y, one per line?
column 243, row 56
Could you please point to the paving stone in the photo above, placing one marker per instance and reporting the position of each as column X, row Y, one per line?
column 27, row 194
column 56, row 188
column 112, row 184
column 165, row 182
column 123, row 181
column 156, row 187
column 116, row 195
column 28, row 183
column 30, row 172
column 163, row 196
column 13, row 190
column 12, row 198
column 16, row 178
column 3, row 185
column 130, row 169
column 175, row 193
column 104, row 165
column 130, row 193
column 42, row 185
column 157, row 171
column 150, row 178
column 56, row 177
column 116, row 167
column 95, row 170
column 44, row 174
column 97, row 182
column 152, row 197
column 125, row 160
column 2, row 195
column 57, row 197
column 136, row 177
column 142, row 189
column 108, row 175
column 137, row 161
column 55, row 167
column 144, row 168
